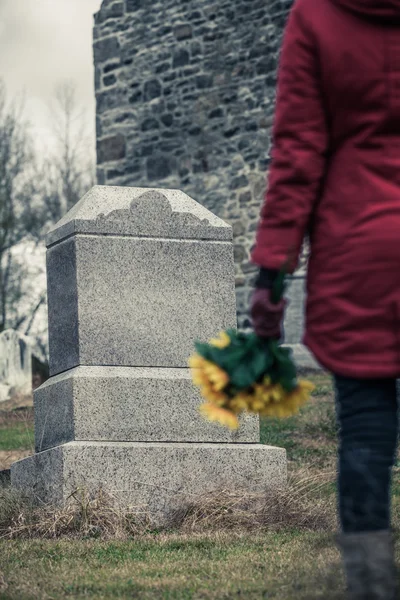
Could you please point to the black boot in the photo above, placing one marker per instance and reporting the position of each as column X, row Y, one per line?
column 368, row 559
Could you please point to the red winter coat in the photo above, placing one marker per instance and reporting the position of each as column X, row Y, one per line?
column 335, row 173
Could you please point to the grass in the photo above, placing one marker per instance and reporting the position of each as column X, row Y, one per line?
column 17, row 437
column 311, row 436
column 16, row 430
column 228, row 546
column 16, row 425
column 213, row 566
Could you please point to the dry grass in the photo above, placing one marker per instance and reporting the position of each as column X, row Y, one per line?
column 302, row 505
column 16, row 402
column 8, row 457
column 16, row 429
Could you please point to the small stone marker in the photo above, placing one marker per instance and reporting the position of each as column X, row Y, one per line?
column 134, row 277
column 15, row 364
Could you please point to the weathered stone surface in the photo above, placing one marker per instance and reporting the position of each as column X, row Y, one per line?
column 134, row 5
column 111, row 148
column 152, row 89
column 5, row 391
column 140, row 302
column 109, row 80
column 116, row 10
column 225, row 95
column 20, row 355
column 173, row 290
column 303, row 357
column 15, row 363
column 106, row 48
column 181, row 58
column 62, row 303
column 127, row 404
column 157, row 475
column 158, row 167
column 183, row 32
column 141, row 212
column 295, row 311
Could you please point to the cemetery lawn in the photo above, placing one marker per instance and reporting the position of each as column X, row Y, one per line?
column 16, row 436
column 282, row 566
column 16, row 430
column 294, row 561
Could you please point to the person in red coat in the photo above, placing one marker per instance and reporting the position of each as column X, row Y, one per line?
column 335, row 175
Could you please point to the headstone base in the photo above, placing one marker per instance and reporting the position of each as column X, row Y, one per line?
column 138, row 404
column 154, row 476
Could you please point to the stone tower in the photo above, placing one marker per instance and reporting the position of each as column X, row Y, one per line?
column 185, row 100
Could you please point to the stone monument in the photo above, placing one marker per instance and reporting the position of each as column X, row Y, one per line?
column 135, row 276
column 20, row 357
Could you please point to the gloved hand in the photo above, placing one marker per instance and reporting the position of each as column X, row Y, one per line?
column 267, row 317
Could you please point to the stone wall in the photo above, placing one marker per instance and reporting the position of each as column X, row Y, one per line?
column 185, row 99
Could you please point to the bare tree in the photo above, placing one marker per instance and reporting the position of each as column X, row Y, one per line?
column 69, row 172
column 34, row 194
column 18, row 216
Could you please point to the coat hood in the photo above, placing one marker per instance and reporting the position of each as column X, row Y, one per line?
column 380, row 10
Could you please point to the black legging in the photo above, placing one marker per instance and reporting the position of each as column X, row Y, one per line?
column 368, row 426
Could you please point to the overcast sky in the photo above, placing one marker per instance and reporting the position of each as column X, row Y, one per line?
column 43, row 42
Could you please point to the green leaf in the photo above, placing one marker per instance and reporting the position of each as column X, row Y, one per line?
column 288, row 384
column 262, row 362
column 229, row 360
column 242, row 377
column 248, row 358
column 203, row 350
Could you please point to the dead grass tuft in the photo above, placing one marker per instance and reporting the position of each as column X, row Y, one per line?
column 18, row 401
column 301, row 505
column 84, row 516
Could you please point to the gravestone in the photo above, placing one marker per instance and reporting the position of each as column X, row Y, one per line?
column 135, row 276
column 15, row 364
column 20, row 355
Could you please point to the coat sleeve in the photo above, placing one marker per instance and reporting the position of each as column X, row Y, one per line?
column 299, row 148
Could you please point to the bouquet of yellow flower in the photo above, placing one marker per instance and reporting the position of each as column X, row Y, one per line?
column 239, row 372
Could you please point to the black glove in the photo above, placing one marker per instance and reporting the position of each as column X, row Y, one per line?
column 266, row 278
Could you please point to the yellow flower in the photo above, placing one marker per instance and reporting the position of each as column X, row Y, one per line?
column 217, row 398
column 257, row 405
column 290, row 402
column 266, row 391
column 196, row 361
column 277, row 393
column 259, row 390
column 267, row 380
column 241, row 401
column 219, row 415
column 222, row 342
column 302, row 392
column 205, row 372
column 200, row 378
column 237, row 405
column 218, row 377
column 306, row 386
